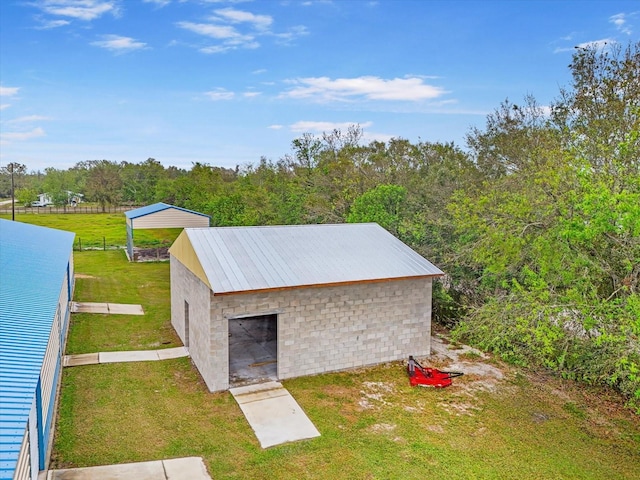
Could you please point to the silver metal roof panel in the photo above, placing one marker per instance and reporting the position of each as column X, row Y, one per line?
column 240, row 259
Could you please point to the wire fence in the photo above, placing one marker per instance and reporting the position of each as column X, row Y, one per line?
column 81, row 244
column 157, row 253
column 6, row 210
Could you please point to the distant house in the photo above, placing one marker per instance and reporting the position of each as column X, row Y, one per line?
column 334, row 296
column 44, row 199
column 36, row 288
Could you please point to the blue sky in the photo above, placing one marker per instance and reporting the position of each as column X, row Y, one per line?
column 226, row 82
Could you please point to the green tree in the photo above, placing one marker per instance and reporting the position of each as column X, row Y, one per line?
column 104, row 183
column 139, row 181
column 383, row 205
column 554, row 232
column 25, row 196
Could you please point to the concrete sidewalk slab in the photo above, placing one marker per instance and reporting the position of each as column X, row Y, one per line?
column 130, row 356
column 169, row 353
column 125, row 309
column 107, row 308
column 273, row 414
column 81, row 359
column 123, row 357
column 77, row 307
column 188, row 468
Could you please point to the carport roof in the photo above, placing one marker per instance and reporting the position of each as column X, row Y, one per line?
column 155, row 208
column 242, row 259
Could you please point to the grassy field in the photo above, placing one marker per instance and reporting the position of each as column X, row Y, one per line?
column 373, row 424
column 97, row 230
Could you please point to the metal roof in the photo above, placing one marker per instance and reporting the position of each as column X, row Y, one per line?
column 155, row 208
column 240, row 259
column 33, row 266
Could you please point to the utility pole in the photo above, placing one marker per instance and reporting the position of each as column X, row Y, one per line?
column 13, row 169
column 13, row 195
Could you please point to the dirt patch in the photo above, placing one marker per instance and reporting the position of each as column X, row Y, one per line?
column 82, row 275
column 479, row 374
column 150, row 254
column 374, row 393
column 382, row 428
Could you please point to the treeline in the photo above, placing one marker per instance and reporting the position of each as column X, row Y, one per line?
column 536, row 223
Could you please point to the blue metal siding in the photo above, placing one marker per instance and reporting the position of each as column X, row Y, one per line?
column 34, row 274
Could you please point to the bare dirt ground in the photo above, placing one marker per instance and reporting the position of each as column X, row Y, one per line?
column 151, row 254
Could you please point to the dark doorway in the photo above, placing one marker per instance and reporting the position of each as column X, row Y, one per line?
column 253, row 349
column 186, row 324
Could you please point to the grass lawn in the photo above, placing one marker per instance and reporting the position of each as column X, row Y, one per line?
column 373, row 424
column 95, row 230
column 109, row 277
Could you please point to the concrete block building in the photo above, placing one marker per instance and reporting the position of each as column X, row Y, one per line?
column 331, row 297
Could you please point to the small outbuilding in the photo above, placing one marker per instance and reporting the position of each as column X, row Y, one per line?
column 308, row 299
column 160, row 215
column 36, row 288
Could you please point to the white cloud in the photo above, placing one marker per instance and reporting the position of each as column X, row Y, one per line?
column 620, row 21
column 319, row 127
column 368, row 87
column 368, row 137
column 231, row 38
column 598, row 44
column 159, row 3
column 21, row 136
column 238, row 29
column 79, row 9
column 29, row 118
column 239, row 16
column 314, row 127
column 275, row 127
column 49, row 24
column 214, row 49
column 293, row 33
column 211, row 30
column 8, row 91
column 4, row 105
column 220, row 94
column 119, row 44
column 252, row 94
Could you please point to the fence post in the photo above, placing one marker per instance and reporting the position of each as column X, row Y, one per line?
column 80, row 243
column 104, row 244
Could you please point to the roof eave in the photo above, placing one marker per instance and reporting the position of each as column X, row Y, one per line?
column 329, row 284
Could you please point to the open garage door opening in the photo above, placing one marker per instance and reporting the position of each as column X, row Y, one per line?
column 253, row 349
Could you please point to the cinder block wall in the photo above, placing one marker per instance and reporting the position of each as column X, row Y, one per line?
column 186, row 286
column 325, row 329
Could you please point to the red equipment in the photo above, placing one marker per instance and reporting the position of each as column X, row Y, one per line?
column 428, row 377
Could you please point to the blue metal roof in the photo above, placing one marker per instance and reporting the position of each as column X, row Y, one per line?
column 155, row 208
column 33, row 266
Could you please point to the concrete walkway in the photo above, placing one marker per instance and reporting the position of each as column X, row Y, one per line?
column 121, row 357
column 188, row 468
column 273, row 414
column 111, row 308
